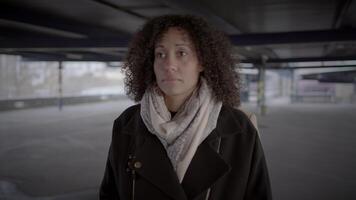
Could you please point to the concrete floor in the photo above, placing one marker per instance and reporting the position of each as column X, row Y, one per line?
column 55, row 154
column 311, row 150
column 46, row 154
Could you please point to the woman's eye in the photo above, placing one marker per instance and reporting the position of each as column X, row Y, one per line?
column 160, row 55
column 182, row 53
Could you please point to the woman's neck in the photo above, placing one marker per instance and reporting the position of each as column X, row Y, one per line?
column 173, row 103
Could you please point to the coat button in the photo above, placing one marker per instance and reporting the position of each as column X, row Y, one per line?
column 137, row 165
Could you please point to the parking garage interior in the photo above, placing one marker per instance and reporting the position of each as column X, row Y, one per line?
column 61, row 87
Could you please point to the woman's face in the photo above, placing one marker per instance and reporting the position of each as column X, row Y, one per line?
column 176, row 64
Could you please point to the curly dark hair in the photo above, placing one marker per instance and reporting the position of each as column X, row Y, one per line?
column 213, row 51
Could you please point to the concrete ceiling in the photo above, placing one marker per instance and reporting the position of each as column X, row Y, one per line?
column 99, row 30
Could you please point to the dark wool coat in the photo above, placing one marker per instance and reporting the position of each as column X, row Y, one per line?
column 230, row 161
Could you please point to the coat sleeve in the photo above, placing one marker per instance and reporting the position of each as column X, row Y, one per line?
column 108, row 187
column 258, row 186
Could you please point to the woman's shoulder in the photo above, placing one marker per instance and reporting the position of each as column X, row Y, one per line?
column 128, row 114
column 246, row 121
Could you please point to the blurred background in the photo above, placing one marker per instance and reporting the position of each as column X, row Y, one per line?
column 61, row 88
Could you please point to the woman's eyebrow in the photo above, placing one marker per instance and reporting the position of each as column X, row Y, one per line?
column 159, row 45
column 183, row 44
column 178, row 44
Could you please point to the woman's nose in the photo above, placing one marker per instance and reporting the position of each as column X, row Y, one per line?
column 170, row 63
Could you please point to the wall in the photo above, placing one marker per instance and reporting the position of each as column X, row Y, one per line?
column 20, row 79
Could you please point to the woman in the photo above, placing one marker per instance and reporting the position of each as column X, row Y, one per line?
column 185, row 140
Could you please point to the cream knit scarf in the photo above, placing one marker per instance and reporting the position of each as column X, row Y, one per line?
column 182, row 134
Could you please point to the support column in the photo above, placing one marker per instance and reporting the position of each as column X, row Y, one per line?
column 293, row 94
column 261, row 96
column 60, row 85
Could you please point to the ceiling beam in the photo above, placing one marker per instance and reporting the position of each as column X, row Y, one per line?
column 30, row 56
column 121, row 9
column 302, row 59
column 198, row 8
column 20, row 16
column 98, row 56
column 322, row 36
column 27, row 29
column 58, row 43
column 340, row 12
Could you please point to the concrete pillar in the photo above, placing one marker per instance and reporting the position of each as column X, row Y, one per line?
column 293, row 97
column 60, row 85
column 261, row 96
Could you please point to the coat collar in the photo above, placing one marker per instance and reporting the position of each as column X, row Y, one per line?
column 206, row 167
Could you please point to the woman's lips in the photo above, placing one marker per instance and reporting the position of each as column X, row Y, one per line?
column 171, row 80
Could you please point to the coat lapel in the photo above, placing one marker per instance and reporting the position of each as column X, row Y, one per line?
column 205, row 169
column 207, row 165
column 155, row 164
column 157, row 168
